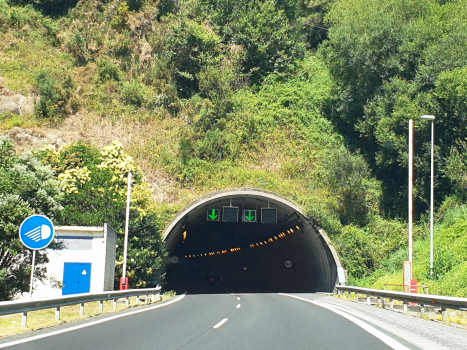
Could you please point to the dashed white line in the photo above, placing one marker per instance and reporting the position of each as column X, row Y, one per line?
column 238, row 298
column 238, row 306
column 220, row 323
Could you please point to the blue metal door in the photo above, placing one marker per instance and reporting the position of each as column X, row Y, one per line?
column 76, row 278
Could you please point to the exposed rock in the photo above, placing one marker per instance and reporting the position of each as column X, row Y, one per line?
column 28, row 140
column 15, row 103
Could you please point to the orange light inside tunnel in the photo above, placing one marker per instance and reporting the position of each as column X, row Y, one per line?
column 184, row 236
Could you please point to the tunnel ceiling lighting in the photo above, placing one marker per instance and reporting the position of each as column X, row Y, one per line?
column 253, row 245
column 184, row 236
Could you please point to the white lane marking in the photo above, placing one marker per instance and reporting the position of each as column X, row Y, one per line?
column 373, row 331
column 40, row 336
column 220, row 323
column 238, row 298
column 338, row 305
column 238, row 306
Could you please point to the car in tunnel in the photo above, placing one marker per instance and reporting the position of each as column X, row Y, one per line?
column 217, row 280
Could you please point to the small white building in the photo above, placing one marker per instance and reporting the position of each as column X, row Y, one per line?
column 86, row 264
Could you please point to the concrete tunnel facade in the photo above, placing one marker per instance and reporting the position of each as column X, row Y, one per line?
column 253, row 253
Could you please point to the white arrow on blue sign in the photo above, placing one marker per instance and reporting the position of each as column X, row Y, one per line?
column 36, row 232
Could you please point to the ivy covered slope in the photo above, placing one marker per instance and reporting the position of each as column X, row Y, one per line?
column 307, row 99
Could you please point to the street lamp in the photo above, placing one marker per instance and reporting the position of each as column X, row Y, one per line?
column 432, row 118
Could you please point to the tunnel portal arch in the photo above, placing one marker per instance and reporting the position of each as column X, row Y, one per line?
column 293, row 254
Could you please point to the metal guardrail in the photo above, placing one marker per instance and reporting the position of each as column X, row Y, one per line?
column 425, row 288
column 421, row 299
column 26, row 305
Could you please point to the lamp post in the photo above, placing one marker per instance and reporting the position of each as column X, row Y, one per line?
column 432, row 118
column 124, row 279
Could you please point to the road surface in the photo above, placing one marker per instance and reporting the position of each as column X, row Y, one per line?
column 226, row 321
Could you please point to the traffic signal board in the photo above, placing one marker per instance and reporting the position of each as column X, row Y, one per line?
column 268, row 216
column 249, row 215
column 214, row 215
column 230, row 214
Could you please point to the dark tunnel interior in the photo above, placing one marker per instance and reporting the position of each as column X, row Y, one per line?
column 269, row 247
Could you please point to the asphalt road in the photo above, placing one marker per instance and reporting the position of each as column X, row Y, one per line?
column 227, row 321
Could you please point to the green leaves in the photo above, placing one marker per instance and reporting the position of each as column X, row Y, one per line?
column 54, row 96
column 26, row 187
column 95, row 189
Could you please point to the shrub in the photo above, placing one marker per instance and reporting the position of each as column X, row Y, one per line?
column 55, row 97
column 108, row 70
column 26, row 187
column 132, row 93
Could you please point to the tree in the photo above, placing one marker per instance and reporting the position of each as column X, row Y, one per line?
column 95, row 188
column 394, row 61
column 27, row 187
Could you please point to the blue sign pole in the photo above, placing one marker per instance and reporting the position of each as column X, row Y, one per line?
column 36, row 232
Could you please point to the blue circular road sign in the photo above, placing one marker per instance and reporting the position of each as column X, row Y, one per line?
column 36, row 232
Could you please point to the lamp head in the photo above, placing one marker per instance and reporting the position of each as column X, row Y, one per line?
column 428, row 117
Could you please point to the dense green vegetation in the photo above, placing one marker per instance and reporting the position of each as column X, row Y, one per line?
column 26, row 187
column 308, row 99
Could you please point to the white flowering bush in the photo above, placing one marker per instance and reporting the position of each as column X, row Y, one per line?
column 95, row 190
column 71, row 178
column 27, row 187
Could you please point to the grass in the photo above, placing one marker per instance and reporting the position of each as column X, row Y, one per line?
column 9, row 121
column 11, row 324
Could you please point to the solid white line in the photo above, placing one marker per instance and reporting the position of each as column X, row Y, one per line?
column 338, row 305
column 88, row 324
column 373, row 331
column 238, row 306
column 220, row 323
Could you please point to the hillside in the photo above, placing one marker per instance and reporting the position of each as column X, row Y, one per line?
column 307, row 100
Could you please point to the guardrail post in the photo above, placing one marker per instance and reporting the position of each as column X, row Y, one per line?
column 24, row 320
column 137, row 300
column 422, row 310
column 444, row 312
column 391, row 304
column 368, row 300
column 147, row 298
column 405, row 307
column 127, row 301
column 356, row 297
column 115, row 304
column 152, row 298
column 101, row 305
column 57, row 313
column 81, row 309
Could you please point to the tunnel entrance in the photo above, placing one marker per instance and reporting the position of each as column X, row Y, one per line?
column 248, row 239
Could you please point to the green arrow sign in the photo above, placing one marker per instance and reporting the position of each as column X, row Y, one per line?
column 249, row 216
column 213, row 214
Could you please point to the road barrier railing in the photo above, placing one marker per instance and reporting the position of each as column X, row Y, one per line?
column 27, row 305
column 421, row 299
